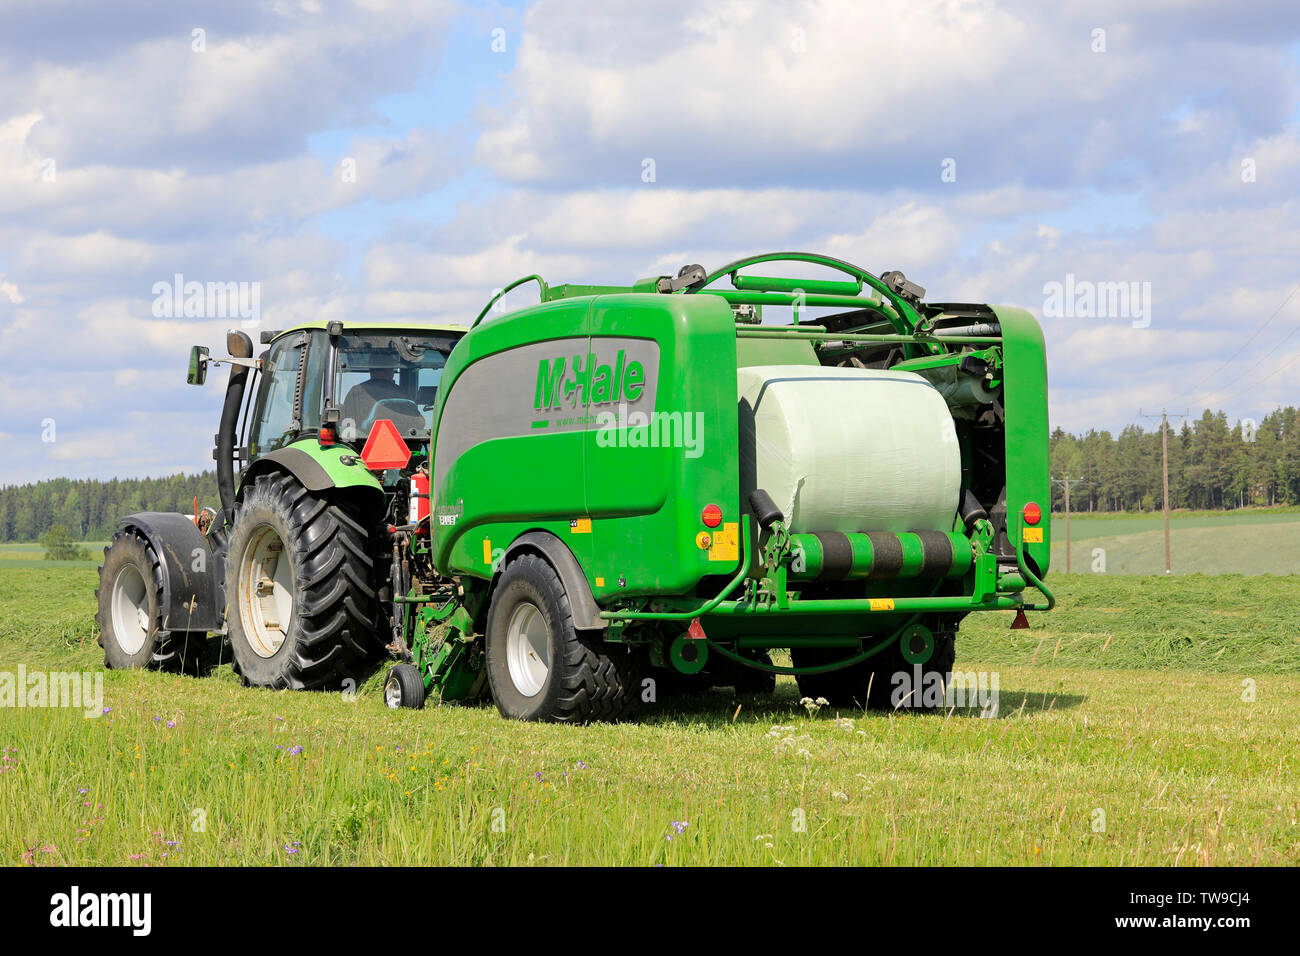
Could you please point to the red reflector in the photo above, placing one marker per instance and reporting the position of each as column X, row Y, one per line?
column 696, row 631
column 711, row 516
column 1033, row 514
column 385, row 448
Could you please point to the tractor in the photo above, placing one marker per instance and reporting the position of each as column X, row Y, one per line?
column 620, row 493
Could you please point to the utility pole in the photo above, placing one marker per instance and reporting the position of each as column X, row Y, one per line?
column 1065, row 483
column 1164, row 457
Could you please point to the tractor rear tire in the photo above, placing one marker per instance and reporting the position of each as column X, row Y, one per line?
column 130, row 614
column 539, row 667
column 300, row 590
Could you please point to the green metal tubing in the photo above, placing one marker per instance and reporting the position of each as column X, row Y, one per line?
column 510, row 288
column 806, row 286
column 1000, row 602
column 783, row 332
column 1032, row 578
column 903, row 311
column 703, row 608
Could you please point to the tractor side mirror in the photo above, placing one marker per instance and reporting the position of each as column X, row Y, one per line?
column 198, row 373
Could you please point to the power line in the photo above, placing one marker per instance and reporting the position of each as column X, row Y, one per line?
column 1252, row 338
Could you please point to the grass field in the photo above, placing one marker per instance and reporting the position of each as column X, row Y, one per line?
column 1126, row 734
column 1244, row 542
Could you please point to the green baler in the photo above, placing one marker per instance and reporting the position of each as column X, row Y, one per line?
column 590, row 493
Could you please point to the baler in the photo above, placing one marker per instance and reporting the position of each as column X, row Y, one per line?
column 624, row 492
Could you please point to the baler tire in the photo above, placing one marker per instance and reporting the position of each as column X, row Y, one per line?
column 404, row 687
column 130, row 553
column 586, row 679
column 331, row 635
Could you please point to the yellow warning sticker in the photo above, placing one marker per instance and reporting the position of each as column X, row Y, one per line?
column 882, row 604
column 487, row 551
column 600, row 582
column 726, row 543
column 580, row 526
column 1032, row 535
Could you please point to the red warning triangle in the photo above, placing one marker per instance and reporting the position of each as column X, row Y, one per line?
column 385, row 448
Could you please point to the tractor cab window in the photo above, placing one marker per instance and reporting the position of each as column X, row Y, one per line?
column 274, row 424
column 388, row 375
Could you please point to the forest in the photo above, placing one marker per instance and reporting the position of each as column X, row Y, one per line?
column 1212, row 465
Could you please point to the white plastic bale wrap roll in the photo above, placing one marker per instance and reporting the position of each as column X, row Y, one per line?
column 842, row 449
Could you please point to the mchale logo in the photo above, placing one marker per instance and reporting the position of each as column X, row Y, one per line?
column 621, row 381
column 73, row 909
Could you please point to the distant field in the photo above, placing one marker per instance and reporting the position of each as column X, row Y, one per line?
column 1146, row 721
column 14, row 555
column 1230, row 542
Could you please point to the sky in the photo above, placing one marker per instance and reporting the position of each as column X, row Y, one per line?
column 1128, row 173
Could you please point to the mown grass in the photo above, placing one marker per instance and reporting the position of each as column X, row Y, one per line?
column 1186, row 765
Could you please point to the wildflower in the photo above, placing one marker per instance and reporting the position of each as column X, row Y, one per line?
column 294, row 751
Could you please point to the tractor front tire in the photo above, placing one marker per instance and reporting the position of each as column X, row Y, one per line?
column 539, row 667
column 130, row 614
column 300, row 590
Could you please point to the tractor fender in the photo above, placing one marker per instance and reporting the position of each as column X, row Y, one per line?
column 192, row 599
column 316, row 468
column 586, row 612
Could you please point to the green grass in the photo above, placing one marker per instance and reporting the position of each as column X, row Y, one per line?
column 1185, row 770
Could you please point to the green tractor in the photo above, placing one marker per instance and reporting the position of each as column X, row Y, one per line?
column 619, row 493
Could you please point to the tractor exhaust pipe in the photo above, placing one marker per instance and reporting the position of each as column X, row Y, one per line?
column 239, row 345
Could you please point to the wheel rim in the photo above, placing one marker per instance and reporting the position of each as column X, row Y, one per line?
column 528, row 649
column 393, row 693
column 266, row 591
column 130, row 610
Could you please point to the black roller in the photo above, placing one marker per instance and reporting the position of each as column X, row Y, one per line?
column 764, row 508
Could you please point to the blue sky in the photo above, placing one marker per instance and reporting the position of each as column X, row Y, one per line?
column 1155, row 147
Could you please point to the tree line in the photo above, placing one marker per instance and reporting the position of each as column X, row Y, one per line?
column 1212, row 465
column 89, row 508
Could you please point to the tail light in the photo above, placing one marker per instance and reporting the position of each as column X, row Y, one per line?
column 329, row 435
column 711, row 516
column 1032, row 513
